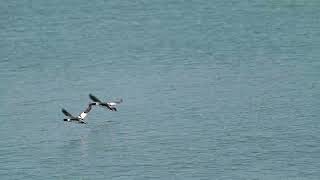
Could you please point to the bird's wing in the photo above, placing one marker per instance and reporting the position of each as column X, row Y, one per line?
column 94, row 99
column 90, row 107
column 106, row 105
column 65, row 112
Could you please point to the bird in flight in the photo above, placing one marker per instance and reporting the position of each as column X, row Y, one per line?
column 111, row 105
column 80, row 117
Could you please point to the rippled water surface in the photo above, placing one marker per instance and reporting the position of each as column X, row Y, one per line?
column 211, row 89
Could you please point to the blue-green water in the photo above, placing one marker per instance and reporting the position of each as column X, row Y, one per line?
column 211, row 89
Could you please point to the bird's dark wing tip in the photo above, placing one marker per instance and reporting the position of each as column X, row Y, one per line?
column 65, row 112
column 93, row 98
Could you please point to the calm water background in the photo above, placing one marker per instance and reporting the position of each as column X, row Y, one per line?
column 211, row 89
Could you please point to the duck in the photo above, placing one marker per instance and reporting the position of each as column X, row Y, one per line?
column 111, row 105
column 80, row 118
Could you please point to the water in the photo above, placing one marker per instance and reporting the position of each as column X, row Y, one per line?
column 211, row 89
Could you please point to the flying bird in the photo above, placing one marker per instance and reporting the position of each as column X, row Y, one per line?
column 80, row 117
column 111, row 105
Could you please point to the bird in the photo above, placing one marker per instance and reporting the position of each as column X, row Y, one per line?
column 80, row 117
column 109, row 105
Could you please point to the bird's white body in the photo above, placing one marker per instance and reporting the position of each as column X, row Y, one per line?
column 113, row 104
column 82, row 115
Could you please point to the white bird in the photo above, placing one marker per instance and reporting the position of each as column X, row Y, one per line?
column 80, row 117
column 110, row 105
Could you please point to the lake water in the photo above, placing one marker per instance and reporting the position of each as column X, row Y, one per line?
column 212, row 89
